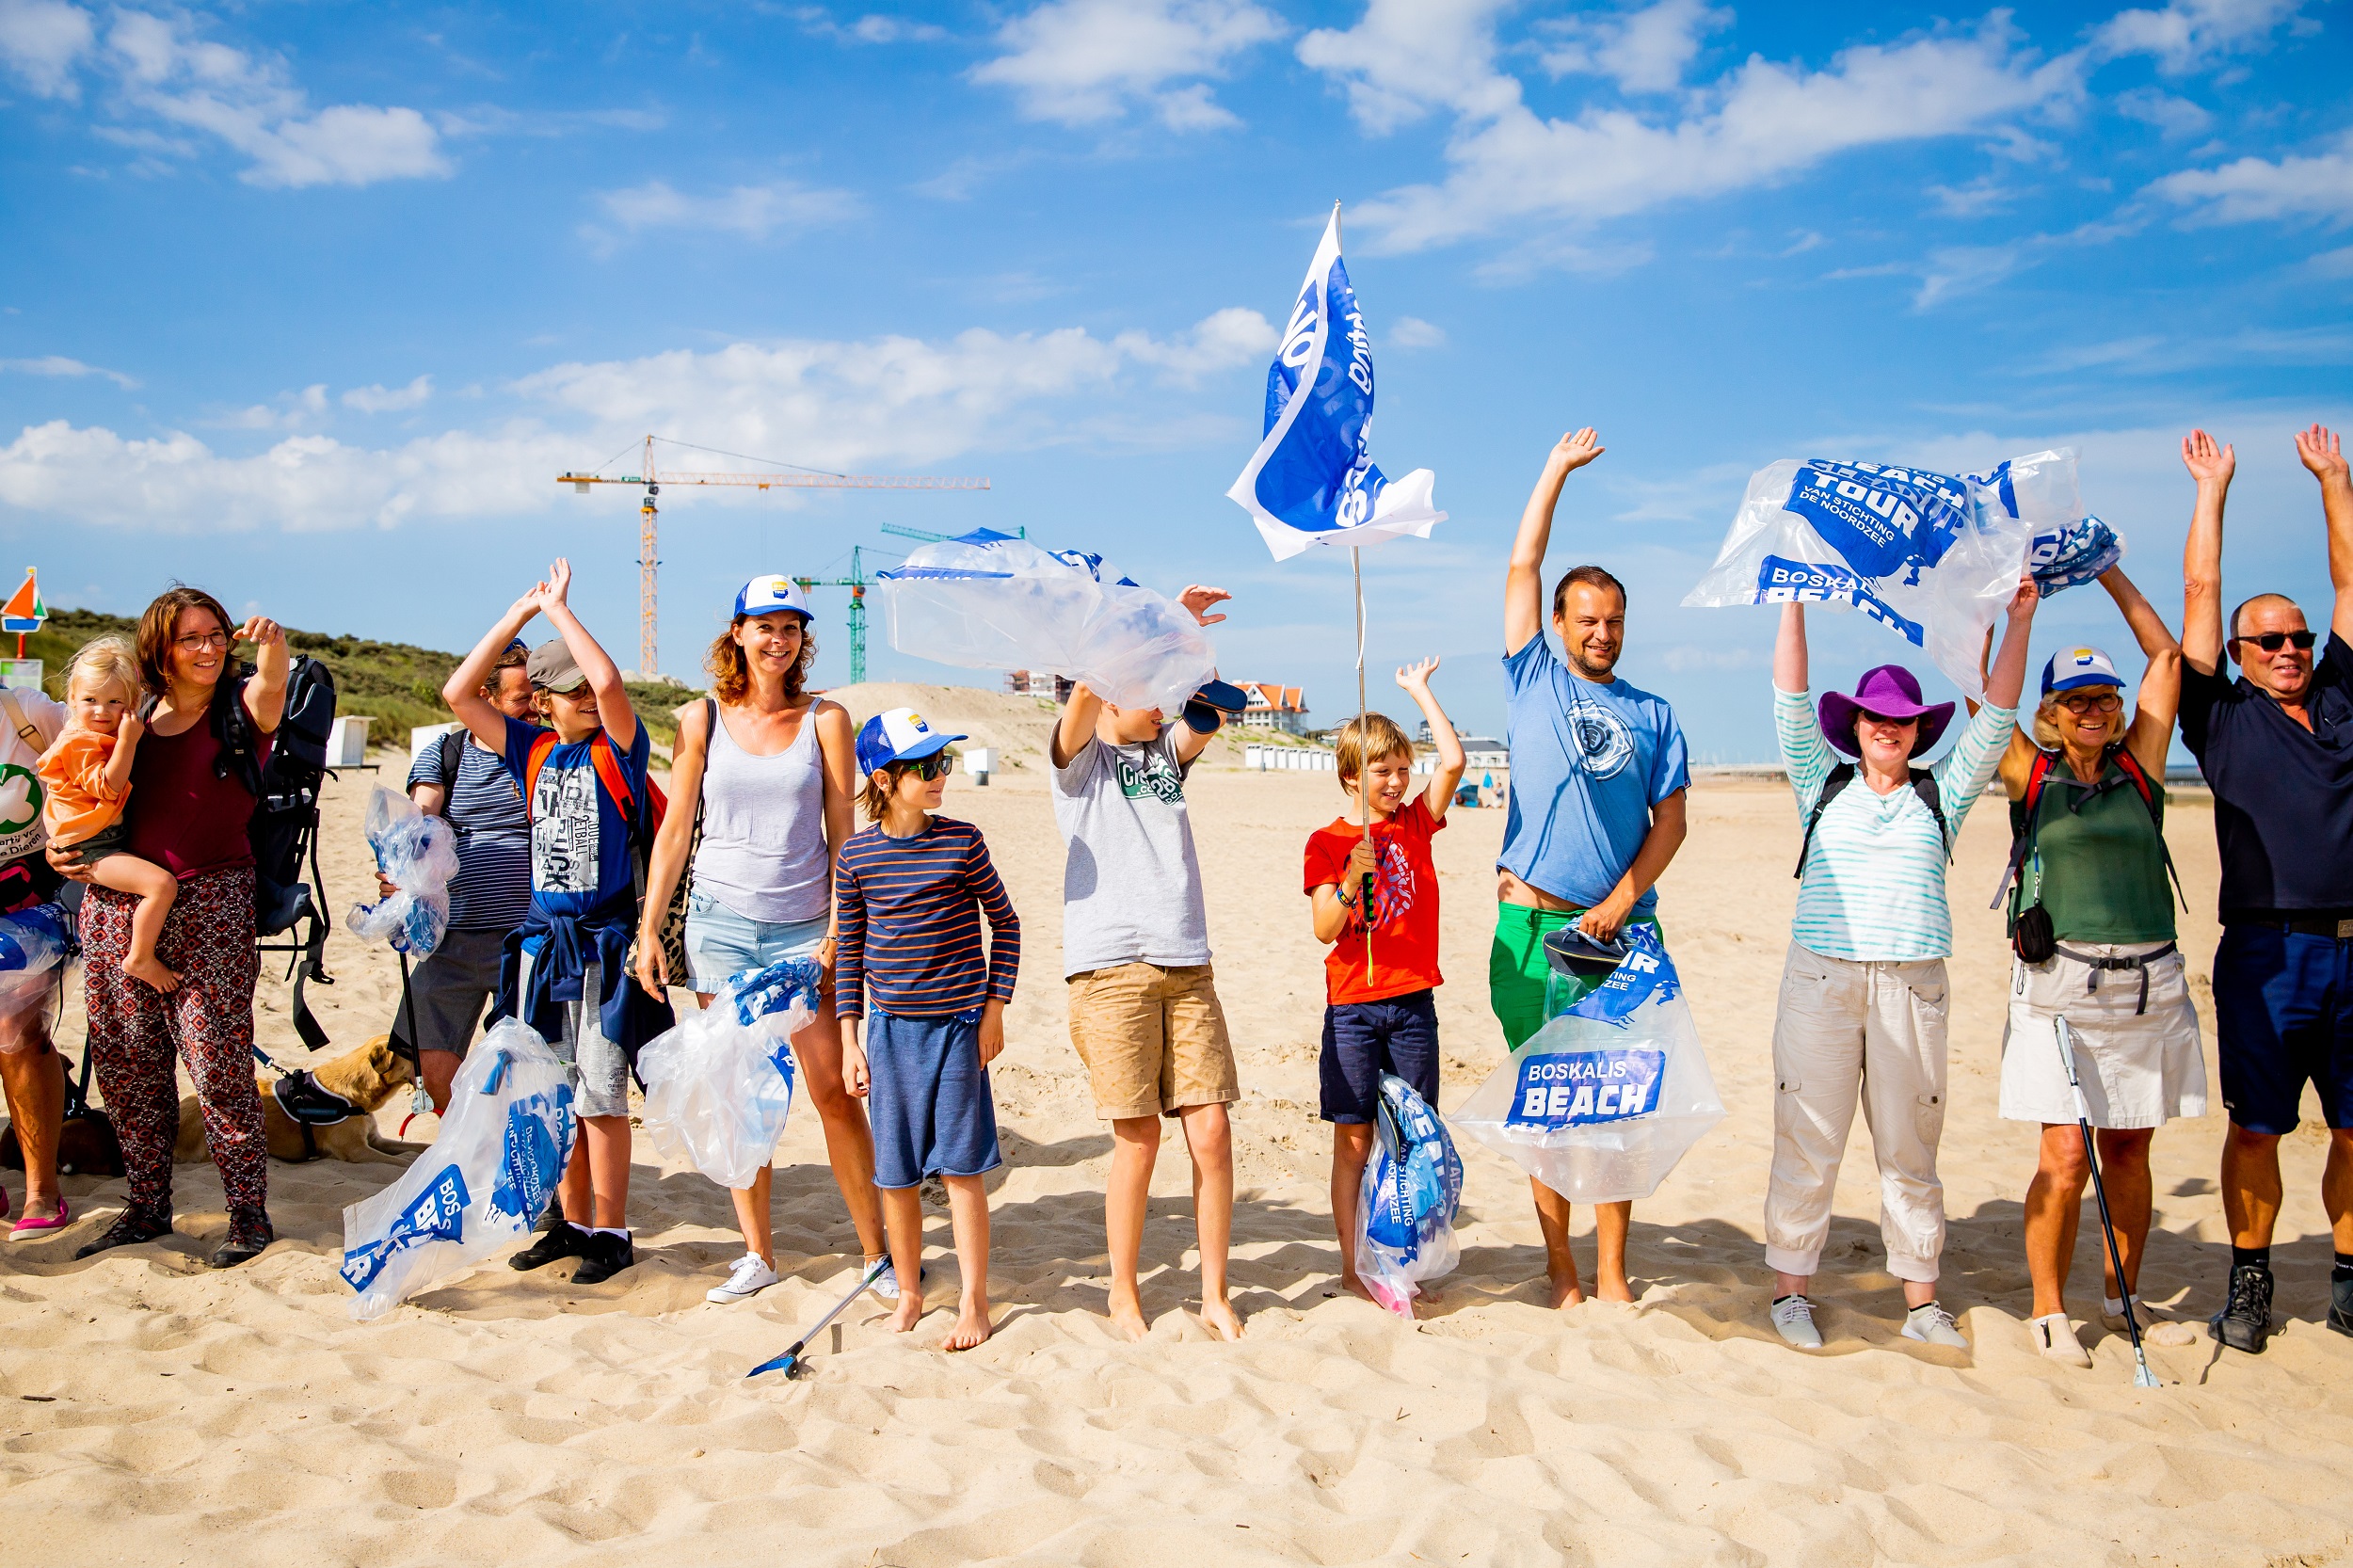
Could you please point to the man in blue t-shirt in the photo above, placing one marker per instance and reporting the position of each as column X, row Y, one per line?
column 467, row 785
column 1596, row 810
column 2277, row 746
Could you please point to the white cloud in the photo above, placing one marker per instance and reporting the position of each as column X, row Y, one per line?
column 752, row 211
column 1642, row 51
column 2188, row 34
column 1951, row 271
column 1082, row 62
column 1980, row 195
column 1414, row 332
column 386, row 400
column 159, row 69
column 2175, row 116
column 882, row 403
column 58, row 364
column 2331, row 264
column 1757, row 125
column 871, row 28
column 2252, row 190
column 41, row 42
column 1408, row 57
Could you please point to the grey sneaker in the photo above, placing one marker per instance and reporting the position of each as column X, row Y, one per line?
column 2054, row 1338
column 1793, row 1317
column 1931, row 1324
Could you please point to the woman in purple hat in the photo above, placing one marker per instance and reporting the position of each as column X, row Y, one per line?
column 1863, row 1002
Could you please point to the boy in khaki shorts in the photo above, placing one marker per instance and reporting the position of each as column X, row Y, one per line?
column 1144, row 1009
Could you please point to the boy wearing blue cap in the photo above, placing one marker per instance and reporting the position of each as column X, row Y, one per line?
column 910, row 891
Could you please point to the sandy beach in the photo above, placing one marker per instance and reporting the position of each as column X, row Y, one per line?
column 155, row 1411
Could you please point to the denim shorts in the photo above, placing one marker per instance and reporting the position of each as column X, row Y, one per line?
column 929, row 1098
column 720, row 943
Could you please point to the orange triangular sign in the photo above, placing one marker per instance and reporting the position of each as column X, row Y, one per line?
column 25, row 604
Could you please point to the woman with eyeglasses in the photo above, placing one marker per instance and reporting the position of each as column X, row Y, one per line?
column 187, row 811
column 1864, row 1005
column 2091, row 920
column 769, row 770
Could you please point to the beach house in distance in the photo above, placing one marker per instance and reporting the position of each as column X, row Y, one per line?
column 1479, row 751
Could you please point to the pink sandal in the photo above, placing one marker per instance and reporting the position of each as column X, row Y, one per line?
column 33, row 1224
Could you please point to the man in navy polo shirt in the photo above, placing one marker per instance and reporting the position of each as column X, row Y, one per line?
column 2277, row 746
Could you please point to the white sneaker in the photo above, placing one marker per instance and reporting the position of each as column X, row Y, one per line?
column 1932, row 1325
column 1793, row 1316
column 2112, row 1312
column 2055, row 1337
column 886, row 1282
column 752, row 1277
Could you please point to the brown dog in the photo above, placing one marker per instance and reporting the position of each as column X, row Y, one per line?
column 366, row 1078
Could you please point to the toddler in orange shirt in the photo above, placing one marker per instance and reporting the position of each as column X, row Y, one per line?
column 87, row 776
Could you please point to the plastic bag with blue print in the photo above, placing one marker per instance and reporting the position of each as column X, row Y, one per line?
column 1412, row 1188
column 719, row 1085
column 417, row 852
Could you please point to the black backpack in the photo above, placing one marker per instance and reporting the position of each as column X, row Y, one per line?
column 284, row 829
column 1923, row 785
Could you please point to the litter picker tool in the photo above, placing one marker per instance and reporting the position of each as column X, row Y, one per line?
column 2142, row 1376
column 790, row 1362
column 1312, row 480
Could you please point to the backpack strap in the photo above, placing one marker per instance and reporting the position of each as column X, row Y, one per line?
column 542, row 744
column 1923, row 785
column 615, row 778
column 26, row 731
column 2130, row 766
column 1840, row 776
column 453, row 752
column 2022, row 841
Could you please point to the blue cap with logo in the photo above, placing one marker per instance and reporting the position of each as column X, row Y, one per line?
column 2071, row 667
column 771, row 592
column 897, row 735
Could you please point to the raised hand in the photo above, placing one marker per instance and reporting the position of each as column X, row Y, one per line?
column 2207, row 463
column 2322, row 453
column 261, row 630
column 1575, row 450
column 1416, row 678
column 559, row 583
column 2023, row 603
column 1197, row 598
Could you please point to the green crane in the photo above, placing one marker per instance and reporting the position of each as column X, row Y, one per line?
column 858, row 582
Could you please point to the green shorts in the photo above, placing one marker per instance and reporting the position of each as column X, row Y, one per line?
column 1521, row 985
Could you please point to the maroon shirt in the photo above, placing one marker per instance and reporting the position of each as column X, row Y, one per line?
column 180, row 816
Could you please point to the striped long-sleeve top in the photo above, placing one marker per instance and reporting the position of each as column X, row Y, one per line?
column 1874, row 880
column 910, row 924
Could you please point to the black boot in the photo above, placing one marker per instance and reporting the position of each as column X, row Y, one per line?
column 2245, row 1322
column 606, row 1255
column 133, row 1225
column 2341, row 1305
column 560, row 1239
column 249, row 1232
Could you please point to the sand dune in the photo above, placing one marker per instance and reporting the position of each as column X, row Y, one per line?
column 158, row 1411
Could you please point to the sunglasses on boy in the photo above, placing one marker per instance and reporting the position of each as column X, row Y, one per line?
column 935, row 766
column 2271, row 642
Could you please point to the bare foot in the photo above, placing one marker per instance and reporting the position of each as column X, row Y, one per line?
column 972, row 1328
column 1614, row 1289
column 166, row 980
column 1567, row 1292
column 909, row 1313
column 1128, row 1320
column 1221, row 1318
column 1354, row 1285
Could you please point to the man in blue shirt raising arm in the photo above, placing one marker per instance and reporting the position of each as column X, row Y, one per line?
column 1598, row 774
column 2277, row 746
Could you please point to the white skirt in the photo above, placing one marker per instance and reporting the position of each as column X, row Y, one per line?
column 2139, row 1068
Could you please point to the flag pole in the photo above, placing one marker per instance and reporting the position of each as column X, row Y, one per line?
column 1364, row 801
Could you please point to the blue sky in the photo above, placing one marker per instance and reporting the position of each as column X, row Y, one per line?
column 308, row 303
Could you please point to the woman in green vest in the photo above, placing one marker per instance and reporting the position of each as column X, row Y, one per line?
column 2091, row 918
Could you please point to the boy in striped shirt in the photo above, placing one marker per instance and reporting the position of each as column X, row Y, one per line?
column 911, row 891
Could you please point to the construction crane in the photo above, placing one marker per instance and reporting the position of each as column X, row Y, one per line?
column 648, row 561
column 930, row 538
column 858, row 582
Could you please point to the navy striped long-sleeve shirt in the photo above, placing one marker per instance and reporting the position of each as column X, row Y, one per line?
column 910, row 925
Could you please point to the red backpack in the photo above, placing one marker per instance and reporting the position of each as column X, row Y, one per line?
column 643, row 824
column 2022, row 844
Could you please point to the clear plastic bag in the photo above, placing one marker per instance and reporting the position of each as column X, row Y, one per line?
column 1933, row 557
column 418, row 853
column 33, row 943
column 986, row 602
column 1405, row 1210
column 489, row 1176
column 1607, row 1096
column 719, row 1085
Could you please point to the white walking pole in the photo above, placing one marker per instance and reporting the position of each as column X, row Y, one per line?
column 2142, row 1376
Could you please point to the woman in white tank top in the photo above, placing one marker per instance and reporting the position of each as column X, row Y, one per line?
column 772, row 771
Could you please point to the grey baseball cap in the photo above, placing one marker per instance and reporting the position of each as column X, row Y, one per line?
column 553, row 667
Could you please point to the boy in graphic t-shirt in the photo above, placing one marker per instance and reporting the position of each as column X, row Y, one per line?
column 1381, row 1013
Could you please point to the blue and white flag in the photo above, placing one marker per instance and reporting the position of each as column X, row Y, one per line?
column 1312, row 480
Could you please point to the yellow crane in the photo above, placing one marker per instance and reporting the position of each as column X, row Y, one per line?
column 648, row 651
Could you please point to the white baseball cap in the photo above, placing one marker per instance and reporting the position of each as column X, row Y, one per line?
column 770, row 592
column 897, row 735
column 2071, row 667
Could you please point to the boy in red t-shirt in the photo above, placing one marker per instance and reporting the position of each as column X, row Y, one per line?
column 1382, row 1010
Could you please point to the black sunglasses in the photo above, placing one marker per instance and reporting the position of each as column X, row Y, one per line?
column 2271, row 642
column 935, row 766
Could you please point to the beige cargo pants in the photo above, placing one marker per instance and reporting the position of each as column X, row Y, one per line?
column 1847, row 1031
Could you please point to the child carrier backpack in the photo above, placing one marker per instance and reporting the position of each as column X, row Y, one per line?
column 1923, row 785
column 284, row 829
column 2031, row 934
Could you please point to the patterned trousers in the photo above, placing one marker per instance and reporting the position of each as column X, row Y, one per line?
column 135, row 1032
